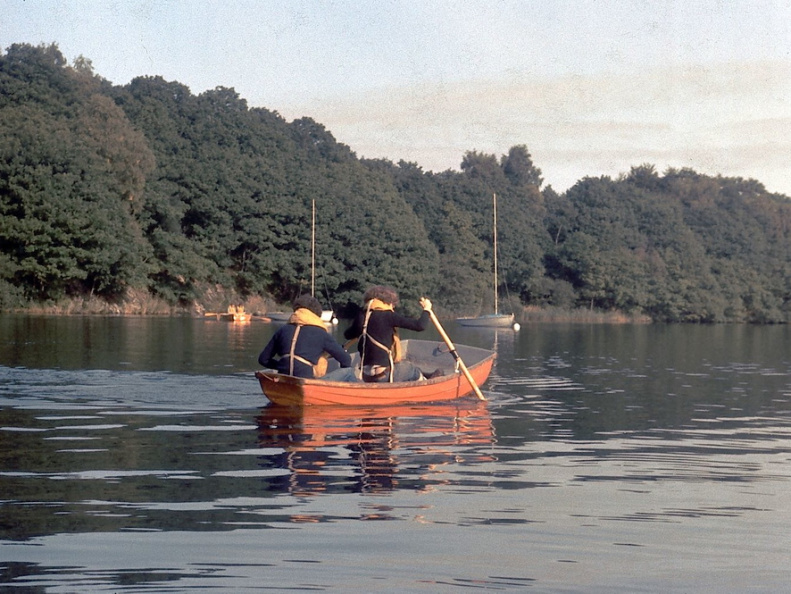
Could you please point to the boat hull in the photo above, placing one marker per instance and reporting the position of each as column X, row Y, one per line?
column 490, row 321
column 279, row 316
column 286, row 390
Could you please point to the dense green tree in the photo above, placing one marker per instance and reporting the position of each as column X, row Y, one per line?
column 71, row 170
column 518, row 167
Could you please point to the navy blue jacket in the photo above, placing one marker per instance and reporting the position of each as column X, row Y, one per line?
column 311, row 343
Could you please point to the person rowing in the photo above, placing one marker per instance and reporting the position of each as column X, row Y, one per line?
column 376, row 328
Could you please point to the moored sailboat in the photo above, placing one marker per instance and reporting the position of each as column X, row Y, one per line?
column 496, row 319
column 327, row 315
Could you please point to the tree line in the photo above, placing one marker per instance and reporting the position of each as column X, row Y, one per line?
column 107, row 188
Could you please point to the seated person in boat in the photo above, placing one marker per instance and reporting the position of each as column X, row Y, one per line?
column 298, row 348
column 376, row 328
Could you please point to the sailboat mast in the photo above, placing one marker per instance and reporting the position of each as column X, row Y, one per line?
column 313, row 251
column 494, row 202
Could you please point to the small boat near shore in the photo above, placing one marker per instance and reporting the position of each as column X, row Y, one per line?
column 279, row 317
column 429, row 356
column 234, row 313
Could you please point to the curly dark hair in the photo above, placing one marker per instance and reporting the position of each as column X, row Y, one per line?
column 384, row 293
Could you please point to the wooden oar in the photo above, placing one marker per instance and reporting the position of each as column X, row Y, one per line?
column 456, row 356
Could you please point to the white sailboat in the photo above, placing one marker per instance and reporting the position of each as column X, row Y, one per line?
column 496, row 319
column 327, row 315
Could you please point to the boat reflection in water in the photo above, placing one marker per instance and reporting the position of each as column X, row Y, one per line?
column 375, row 449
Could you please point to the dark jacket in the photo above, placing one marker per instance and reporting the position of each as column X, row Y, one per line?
column 381, row 326
column 311, row 343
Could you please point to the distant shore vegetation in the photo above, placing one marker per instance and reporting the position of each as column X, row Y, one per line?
column 146, row 199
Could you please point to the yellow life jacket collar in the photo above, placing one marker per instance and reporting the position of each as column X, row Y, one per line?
column 379, row 305
column 305, row 317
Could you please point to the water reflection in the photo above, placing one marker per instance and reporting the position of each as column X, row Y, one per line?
column 367, row 450
column 183, row 345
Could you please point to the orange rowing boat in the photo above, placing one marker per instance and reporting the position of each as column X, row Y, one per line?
column 286, row 390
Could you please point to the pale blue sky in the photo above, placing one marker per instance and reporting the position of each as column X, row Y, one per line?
column 591, row 87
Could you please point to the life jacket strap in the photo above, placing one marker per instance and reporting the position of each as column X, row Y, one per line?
column 365, row 337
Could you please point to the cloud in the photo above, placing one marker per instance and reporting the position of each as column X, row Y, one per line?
column 731, row 119
column 592, row 87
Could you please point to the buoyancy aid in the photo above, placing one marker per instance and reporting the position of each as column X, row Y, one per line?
column 375, row 372
column 304, row 317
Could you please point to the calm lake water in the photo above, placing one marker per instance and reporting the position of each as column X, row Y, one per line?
column 138, row 455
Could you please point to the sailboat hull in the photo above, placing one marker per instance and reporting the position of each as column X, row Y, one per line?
column 488, row 321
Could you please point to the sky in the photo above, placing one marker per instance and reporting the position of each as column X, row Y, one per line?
column 591, row 87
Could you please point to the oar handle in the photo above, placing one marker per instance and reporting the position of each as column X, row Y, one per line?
column 456, row 356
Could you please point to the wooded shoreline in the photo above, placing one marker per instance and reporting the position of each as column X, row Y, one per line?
column 140, row 305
